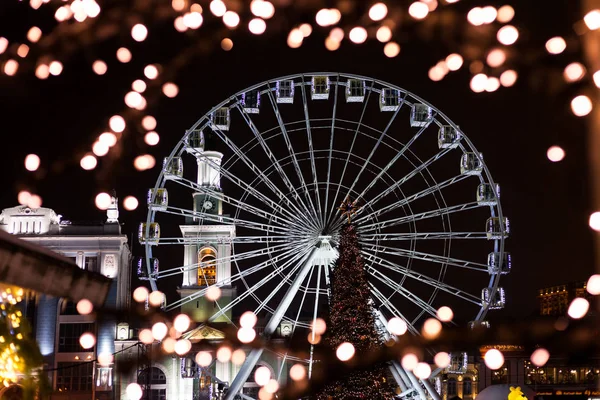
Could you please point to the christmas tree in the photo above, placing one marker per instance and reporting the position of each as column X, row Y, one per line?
column 352, row 320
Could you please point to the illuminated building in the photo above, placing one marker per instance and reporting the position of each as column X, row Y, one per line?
column 555, row 300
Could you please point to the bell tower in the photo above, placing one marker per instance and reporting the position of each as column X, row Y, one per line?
column 207, row 252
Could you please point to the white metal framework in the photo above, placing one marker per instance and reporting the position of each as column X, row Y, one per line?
column 276, row 160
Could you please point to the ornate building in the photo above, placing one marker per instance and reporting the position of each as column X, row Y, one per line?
column 57, row 325
column 555, row 300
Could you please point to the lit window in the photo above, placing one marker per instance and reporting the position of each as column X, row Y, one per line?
column 207, row 268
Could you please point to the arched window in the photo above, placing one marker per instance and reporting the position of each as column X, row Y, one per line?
column 207, row 271
column 467, row 387
column 156, row 379
column 451, row 387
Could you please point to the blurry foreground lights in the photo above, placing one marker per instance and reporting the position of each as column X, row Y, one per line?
column 227, row 44
column 581, row 106
column 507, row 35
column 213, row 293
column 505, row 14
column 262, row 8
column 479, row 83
column 397, row 326
column 391, row 49
column 454, row 62
column 159, row 331
column 384, row 34
column 492, row 84
column 23, row 50
column 592, row 20
column 130, row 203
column 3, row 44
column 578, row 308
column 422, row 370
column 345, row 351
column 313, row 338
column 133, row 100
column 42, row 72
column 87, row 340
column 488, row 14
column 442, row 359
column 170, row 89
column 84, row 307
column 418, row 10
column 593, row 285
column 116, row 123
column 168, row 345
column 298, row 372
column 140, row 294
column 151, row 138
column 105, row 359
column 146, row 336
column 328, row 17
column 496, row 58
column 331, row 44
column 596, row 77
column 183, row 346
column 224, row 354
column 238, row 357
column 181, row 322
column 218, row 8
column 156, row 298
column 431, row 328
column 295, row 38
column 574, row 72
column 32, row 162
column 556, row 45
column 262, row 375
column 139, row 32
column 436, row 73
column 508, row 78
column 231, row 19
column 100, row 149
column 248, row 319
column 123, row 55
column 257, row 26
column 493, row 359
column 272, row 386
column 192, row 20
column 11, row 67
column 55, row 68
column 540, row 357
column 203, row 358
column 34, row 34
column 144, row 162
column 475, row 16
column 306, row 29
column 138, row 85
column 555, row 154
column 134, row 391
column 246, row 335
column 23, row 197
column 108, row 138
column 149, row 122
column 378, row 11
column 151, row 72
column 409, row 361
column 595, row 221
column 103, row 200
column 319, row 326
column 35, row 201
column 99, row 67
column 358, row 35
column 445, row 314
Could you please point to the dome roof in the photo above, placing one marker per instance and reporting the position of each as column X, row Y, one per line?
column 500, row 392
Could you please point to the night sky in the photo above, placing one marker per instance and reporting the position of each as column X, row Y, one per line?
column 59, row 118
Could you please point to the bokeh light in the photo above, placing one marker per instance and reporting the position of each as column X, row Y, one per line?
column 593, row 285
column 592, row 19
column 151, row 138
column 151, row 71
column 100, row 149
column 409, row 361
column 139, row 32
column 507, row 35
column 238, row 357
column 144, row 162
column 397, row 326
column 384, row 34
column 479, row 83
column 99, row 67
column 103, row 200
column 87, row 340
column 445, row 314
column 391, row 49
column 130, row 203
column 262, row 375
column 594, row 221
column 505, row 14
column 556, row 45
column 345, row 351
column 431, row 328
column 297, row 372
column 159, row 331
column 263, row 9
column 108, row 138
column 378, row 11
column 231, row 19
column 33, row 34
column 257, row 26
column 218, row 8
column 508, row 78
column 203, row 358
column 422, row 370
column 494, row 359
column 84, row 307
column 226, row 44
column 140, row 294
column 442, row 359
column 11, row 67
column 454, row 62
column 124, row 55
column 117, row 123
column 318, row 326
column 170, row 90
column 578, row 308
column 496, row 58
column 418, row 10
column 32, row 162
column 182, row 346
column 224, row 354
column 358, row 35
column 213, row 293
column 156, row 298
column 248, row 319
column 149, row 122
column 581, row 105
column 555, row 154
column 295, row 38
column 540, row 357
column 134, row 391
column 246, row 335
column 574, row 72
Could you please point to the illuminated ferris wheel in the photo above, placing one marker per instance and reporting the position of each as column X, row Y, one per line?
column 251, row 196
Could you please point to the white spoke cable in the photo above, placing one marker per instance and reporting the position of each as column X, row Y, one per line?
column 237, row 239
column 423, row 236
column 326, row 205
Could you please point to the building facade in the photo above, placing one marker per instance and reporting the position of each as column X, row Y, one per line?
column 57, row 326
column 555, row 300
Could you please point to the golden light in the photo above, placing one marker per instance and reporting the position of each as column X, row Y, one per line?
column 454, row 62
column 488, row 14
column 105, row 359
column 479, row 83
column 88, row 162
column 494, row 359
column 151, row 138
column 34, row 34
column 318, row 326
column 35, row 201
column 134, row 100
column 130, row 203
column 156, row 298
column 432, row 4
column 99, row 67
column 358, row 35
column 422, row 370
column 23, row 50
column 140, row 294
column 87, row 340
column 306, row 29
column 246, row 335
column 100, row 149
column 592, row 20
column 496, row 58
column 224, row 354
column 218, row 8
column 123, row 55
column 505, row 14
column 593, row 285
column 445, row 314
column 23, row 197
column 193, row 20
column 574, row 72
column 594, row 221
column 116, row 123
column 178, row 5
column 55, row 68
column 84, row 307
column 108, row 138
column 391, row 49
column 507, row 35
column 213, row 293
column 272, row 386
column 3, row 44
column 134, row 391
column 597, row 79
column 431, row 328
column 556, row 45
column 475, row 16
column 492, row 84
column 295, row 38
column 11, row 67
column 508, row 78
column 345, row 351
column 378, row 11
column 42, row 71
column 297, row 372
column 231, row 19
column 149, row 122
column 258, row 26
column 139, row 32
column 384, row 34
column 248, row 319
column 203, row 358
column 179, row 25
column 262, row 375
column 442, row 359
column 328, row 16
column 32, row 162
column 144, row 162
column 91, row 8
column 578, row 308
column 540, row 357
column 331, row 44
column 418, row 10
column 102, row 200
column 226, row 44
column 262, row 9
column 63, row 13
column 238, row 357
column 397, row 326
column 452, row 1
column 337, row 34
column 174, row 333
column 555, row 154
column 182, row 346
column 170, row 90
column 159, row 331
column 168, row 345
column 313, row 338
column 581, row 105
column 409, row 361
column 151, row 72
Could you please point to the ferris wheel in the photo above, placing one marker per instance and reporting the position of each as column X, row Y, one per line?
column 249, row 201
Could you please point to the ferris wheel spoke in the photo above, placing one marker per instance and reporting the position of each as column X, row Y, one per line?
column 290, row 148
column 422, row 278
column 333, row 115
column 434, row 258
column 238, row 239
column 422, row 236
column 392, row 309
column 420, row 216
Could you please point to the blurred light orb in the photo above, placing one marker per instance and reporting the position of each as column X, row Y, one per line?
column 262, row 375
column 295, row 38
column 306, row 29
column 331, row 44
column 213, row 293
column 23, row 197
column 345, row 351
column 272, row 386
column 432, row 4
column 149, row 122
column 494, row 359
column 581, row 105
column 443, row 66
column 231, row 19
column 170, row 90
column 35, row 201
column 134, row 391
column 84, row 307
column 133, row 99
column 156, row 298
column 263, row 9
column 391, row 49
column 3, row 44
column 63, row 13
column 138, row 85
column 409, row 361
column 179, row 24
column 218, row 8
column 578, row 308
column 358, row 35
column 378, row 11
column 488, row 14
column 159, row 331
column 556, row 45
column 442, row 359
column 55, row 68
column 203, row 358
column 151, row 138
column 257, row 26
column 178, row 5
column 431, row 328
column 422, row 370
column 246, row 335
column 397, row 326
column 105, row 359
column 505, row 14
column 99, row 67
column 23, row 50
column 555, row 154
column 140, row 294
column 248, row 319
column 337, row 34
column 297, row 372
column 574, row 72
column 192, row 20
column 33, row 34
column 418, row 10
column 168, row 345
column 144, row 162
column 507, row 35
column 436, row 73
column 475, row 16
column 227, row 44
column 508, row 78
column 130, row 203
column 123, row 55
column 181, row 322
column 313, row 338
column 540, row 357
column 224, row 354
column 116, row 123
column 139, row 32
column 87, row 340
column 103, row 200
column 328, row 16
column 32, row 162
column 384, row 34
column 492, row 84
column 238, row 357
column 11, row 67
column 593, row 285
column 592, row 20
column 151, row 72
column 479, row 83
column 100, row 149
column 594, row 221
column 318, row 326
column 454, row 62
column 183, row 346
column 42, row 71
column 445, row 314
column 88, row 162
column 496, row 58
